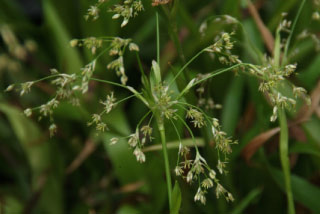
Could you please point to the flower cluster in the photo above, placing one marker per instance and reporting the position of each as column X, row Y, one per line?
column 94, row 11
column 197, row 117
column 223, row 143
column 92, row 43
column 137, row 144
column 222, row 47
column 109, row 103
column 163, row 103
column 285, row 25
column 127, row 10
column 87, row 73
column 117, row 48
column 66, row 88
column 198, row 169
column 68, row 84
column 272, row 77
column 96, row 120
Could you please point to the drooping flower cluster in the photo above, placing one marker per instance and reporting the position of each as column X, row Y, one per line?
column 199, row 170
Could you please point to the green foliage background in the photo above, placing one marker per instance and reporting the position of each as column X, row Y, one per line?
column 33, row 167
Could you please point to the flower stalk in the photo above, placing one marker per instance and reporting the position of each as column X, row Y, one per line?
column 283, row 144
column 165, row 156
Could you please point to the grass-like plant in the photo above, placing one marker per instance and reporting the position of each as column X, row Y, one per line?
column 170, row 108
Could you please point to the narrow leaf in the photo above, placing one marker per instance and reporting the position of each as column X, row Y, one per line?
column 176, row 199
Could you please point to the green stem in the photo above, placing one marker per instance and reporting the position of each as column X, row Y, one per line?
column 186, row 65
column 285, row 54
column 283, row 144
column 158, row 39
column 165, row 156
column 108, row 82
column 210, row 75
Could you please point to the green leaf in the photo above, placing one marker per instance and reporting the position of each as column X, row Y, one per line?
column 11, row 205
column 125, row 209
column 176, row 199
column 303, row 192
column 246, row 201
column 310, row 76
column 232, row 105
column 41, row 157
column 305, row 148
column 68, row 56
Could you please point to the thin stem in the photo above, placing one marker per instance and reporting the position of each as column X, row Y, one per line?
column 139, row 63
column 144, row 77
column 285, row 159
column 186, row 65
column 143, row 118
column 124, row 99
column 48, row 77
column 190, row 131
column 109, row 82
column 101, row 53
column 284, row 61
column 165, row 156
column 179, row 138
column 213, row 73
column 158, row 38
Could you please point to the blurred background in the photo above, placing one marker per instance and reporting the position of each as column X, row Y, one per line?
column 77, row 171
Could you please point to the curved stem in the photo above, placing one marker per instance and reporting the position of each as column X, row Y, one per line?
column 165, row 156
column 283, row 144
column 212, row 74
